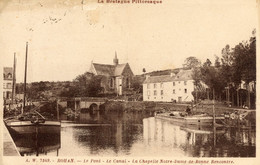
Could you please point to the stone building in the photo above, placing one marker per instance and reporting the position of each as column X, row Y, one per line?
column 7, row 83
column 168, row 88
column 116, row 78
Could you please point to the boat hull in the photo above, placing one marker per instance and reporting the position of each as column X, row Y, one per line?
column 27, row 127
column 189, row 120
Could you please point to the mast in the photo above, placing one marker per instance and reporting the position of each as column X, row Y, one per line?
column 14, row 79
column 25, row 75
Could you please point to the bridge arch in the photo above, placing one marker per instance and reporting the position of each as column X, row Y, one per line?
column 102, row 107
column 94, row 107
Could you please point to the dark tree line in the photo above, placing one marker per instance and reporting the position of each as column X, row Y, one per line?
column 236, row 66
column 84, row 85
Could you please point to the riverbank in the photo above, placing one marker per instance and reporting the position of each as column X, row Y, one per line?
column 243, row 118
column 161, row 106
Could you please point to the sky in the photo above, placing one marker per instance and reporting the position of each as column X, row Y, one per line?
column 64, row 36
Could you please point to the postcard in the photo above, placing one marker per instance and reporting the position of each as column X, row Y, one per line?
column 127, row 82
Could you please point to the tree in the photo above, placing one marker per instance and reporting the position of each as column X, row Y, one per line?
column 211, row 76
column 207, row 63
column 245, row 64
column 85, row 85
column 194, row 64
column 94, row 86
column 226, row 70
column 217, row 62
column 196, row 76
column 191, row 62
column 137, row 84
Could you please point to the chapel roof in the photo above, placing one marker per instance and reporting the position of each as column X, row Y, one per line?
column 109, row 70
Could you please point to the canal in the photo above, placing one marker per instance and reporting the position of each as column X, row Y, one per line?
column 138, row 134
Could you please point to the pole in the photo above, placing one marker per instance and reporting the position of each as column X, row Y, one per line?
column 214, row 120
column 214, row 136
column 25, row 75
column 228, row 94
column 57, row 108
column 14, row 80
column 237, row 97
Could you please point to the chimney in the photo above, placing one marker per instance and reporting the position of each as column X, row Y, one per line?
column 115, row 61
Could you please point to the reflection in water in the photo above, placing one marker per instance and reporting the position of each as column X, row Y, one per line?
column 38, row 143
column 200, row 142
column 140, row 134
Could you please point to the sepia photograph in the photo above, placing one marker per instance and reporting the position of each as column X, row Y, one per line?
column 129, row 81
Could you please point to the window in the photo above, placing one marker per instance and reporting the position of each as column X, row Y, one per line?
column 161, row 85
column 148, row 93
column 173, row 83
column 185, row 90
column 185, row 82
column 148, row 98
column 9, row 85
column 154, row 85
column 9, row 75
column 111, row 83
column 179, row 82
column 148, row 86
column 154, row 93
column 127, row 83
column 161, row 92
column 173, row 91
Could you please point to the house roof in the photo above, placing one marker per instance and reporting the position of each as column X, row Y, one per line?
column 7, row 70
column 119, row 69
column 103, row 69
column 158, row 79
column 182, row 75
column 109, row 70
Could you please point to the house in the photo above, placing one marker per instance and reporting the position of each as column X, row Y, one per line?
column 116, row 78
column 168, row 88
column 7, row 83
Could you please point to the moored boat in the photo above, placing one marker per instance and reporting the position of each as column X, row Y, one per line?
column 31, row 122
column 177, row 117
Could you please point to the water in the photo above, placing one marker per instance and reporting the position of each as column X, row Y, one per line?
column 140, row 134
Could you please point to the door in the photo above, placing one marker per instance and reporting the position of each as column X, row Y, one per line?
column 179, row 99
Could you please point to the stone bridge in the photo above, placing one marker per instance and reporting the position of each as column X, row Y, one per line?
column 83, row 103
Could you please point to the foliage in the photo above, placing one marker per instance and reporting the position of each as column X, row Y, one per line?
column 194, row 64
column 211, row 76
column 191, row 62
column 84, row 85
column 137, row 83
column 237, row 64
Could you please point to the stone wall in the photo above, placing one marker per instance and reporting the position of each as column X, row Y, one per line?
column 155, row 106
